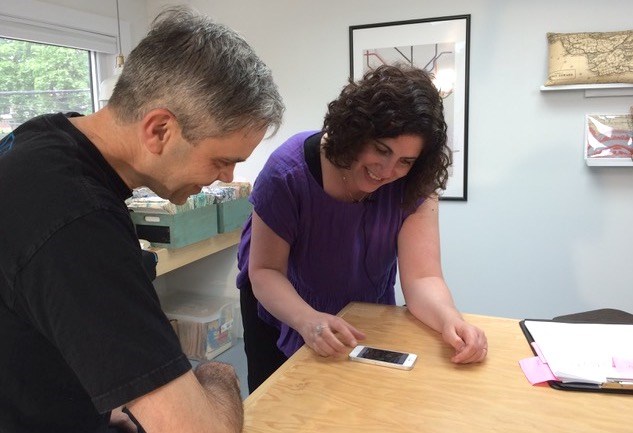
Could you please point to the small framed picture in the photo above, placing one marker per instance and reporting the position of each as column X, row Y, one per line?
column 609, row 139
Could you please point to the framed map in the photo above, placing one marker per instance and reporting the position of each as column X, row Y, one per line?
column 440, row 46
column 590, row 58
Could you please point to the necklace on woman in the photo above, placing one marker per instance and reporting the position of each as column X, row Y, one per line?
column 349, row 194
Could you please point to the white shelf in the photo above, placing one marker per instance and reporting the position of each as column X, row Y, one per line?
column 609, row 162
column 595, row 90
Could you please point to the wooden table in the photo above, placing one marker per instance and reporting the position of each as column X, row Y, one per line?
column 313, row 394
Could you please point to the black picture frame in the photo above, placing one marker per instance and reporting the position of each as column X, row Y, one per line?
column 439, row 45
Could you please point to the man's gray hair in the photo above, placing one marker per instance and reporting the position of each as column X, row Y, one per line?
column 203, row 72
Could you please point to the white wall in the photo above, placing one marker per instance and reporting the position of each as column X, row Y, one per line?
column 541, row 234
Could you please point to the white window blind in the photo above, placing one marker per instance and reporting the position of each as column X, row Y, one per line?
column 42, row 22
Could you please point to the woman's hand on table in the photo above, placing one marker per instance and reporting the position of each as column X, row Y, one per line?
column 329, row 335
column 469, row 342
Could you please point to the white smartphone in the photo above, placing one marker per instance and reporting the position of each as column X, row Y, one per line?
column 386, row 358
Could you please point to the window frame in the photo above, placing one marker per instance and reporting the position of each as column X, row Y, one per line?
column 41, row 22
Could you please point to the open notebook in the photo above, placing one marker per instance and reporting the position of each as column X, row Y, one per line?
column 585, row 356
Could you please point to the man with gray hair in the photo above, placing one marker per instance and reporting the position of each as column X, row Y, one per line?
column 82, row 333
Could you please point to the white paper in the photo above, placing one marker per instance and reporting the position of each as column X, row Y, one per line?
column 581, row 352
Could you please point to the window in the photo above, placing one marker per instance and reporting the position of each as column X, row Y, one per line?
column 38, row 78
column 52, row 58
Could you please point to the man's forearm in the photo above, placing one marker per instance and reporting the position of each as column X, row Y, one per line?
column 223, row 392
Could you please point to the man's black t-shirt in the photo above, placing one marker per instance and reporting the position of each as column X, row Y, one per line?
column 81, row 328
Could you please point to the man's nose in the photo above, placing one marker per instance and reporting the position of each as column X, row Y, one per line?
column 226, row 174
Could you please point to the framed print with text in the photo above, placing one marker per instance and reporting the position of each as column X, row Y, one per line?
column 440, row 46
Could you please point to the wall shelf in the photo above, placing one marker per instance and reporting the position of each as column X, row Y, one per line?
column 595, row 90
column 609, row 162
column 170, row 259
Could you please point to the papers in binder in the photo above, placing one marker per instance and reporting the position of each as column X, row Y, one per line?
column 583, row 352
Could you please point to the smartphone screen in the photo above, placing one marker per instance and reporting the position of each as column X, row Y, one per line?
column 383, row 355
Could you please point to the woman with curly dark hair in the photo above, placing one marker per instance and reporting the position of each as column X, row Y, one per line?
column 337, row 211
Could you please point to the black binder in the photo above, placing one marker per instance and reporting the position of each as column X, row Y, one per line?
column 605, row 315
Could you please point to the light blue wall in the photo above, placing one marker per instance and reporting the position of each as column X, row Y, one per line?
column 542, row 234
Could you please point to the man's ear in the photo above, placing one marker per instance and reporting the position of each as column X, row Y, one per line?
column 157, row 128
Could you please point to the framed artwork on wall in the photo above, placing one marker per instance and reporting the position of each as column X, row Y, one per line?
column 609, row 139
column 440, row 46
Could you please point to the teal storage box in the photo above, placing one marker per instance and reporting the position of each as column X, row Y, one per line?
column 177, row 230
column 233, row 214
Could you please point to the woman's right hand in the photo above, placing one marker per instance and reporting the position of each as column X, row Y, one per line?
column 329, row 335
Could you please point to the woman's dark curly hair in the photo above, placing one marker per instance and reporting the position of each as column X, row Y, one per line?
column 388, row 102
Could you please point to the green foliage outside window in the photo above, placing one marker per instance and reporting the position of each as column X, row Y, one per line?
column 37, row 79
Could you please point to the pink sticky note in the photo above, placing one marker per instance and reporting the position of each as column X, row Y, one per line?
column 536, row 371
column 624, row 367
